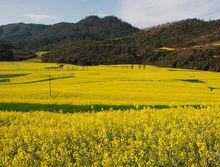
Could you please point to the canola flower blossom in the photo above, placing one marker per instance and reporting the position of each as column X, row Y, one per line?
column 113, row 85
column 154, row 128
column 148, row 137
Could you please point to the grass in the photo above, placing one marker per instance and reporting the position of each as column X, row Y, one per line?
column 66, row 108
column 4, row 80
column 12, row 75
column 43, row 80
column 192, row 80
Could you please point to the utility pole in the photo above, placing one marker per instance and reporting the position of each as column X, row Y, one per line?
column 50, row 86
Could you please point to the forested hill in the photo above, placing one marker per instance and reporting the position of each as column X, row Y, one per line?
column 195, row 45
column 45, row 37
column 183, row 33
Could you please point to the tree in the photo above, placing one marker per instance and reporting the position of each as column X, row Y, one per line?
column 6, row 53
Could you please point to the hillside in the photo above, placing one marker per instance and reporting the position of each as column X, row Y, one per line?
column 45, row 37
column 144, row 47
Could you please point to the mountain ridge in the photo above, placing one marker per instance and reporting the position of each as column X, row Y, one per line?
column 45, row 37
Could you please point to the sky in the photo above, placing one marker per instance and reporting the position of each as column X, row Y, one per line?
column 140, row 13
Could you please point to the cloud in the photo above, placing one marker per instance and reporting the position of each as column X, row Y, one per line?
column 146, row 13
column 103, row 14
column 41, row 17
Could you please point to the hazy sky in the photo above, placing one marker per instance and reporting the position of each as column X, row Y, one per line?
column 141, row 13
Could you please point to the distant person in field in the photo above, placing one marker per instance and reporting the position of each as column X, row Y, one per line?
column 139, row 66
column 61, row 66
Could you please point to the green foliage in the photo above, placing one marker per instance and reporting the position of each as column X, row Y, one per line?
column 199, row 59
column 91, row 53
column 6, row 53
column 9, row 53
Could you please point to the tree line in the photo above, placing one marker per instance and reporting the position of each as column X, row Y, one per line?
column 9, row 53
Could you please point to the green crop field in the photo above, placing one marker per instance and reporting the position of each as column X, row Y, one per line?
column 108, row 116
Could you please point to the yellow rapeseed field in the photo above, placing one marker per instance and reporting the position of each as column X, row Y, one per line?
column 114, row 116
column 168, row 137
column 108, row 85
